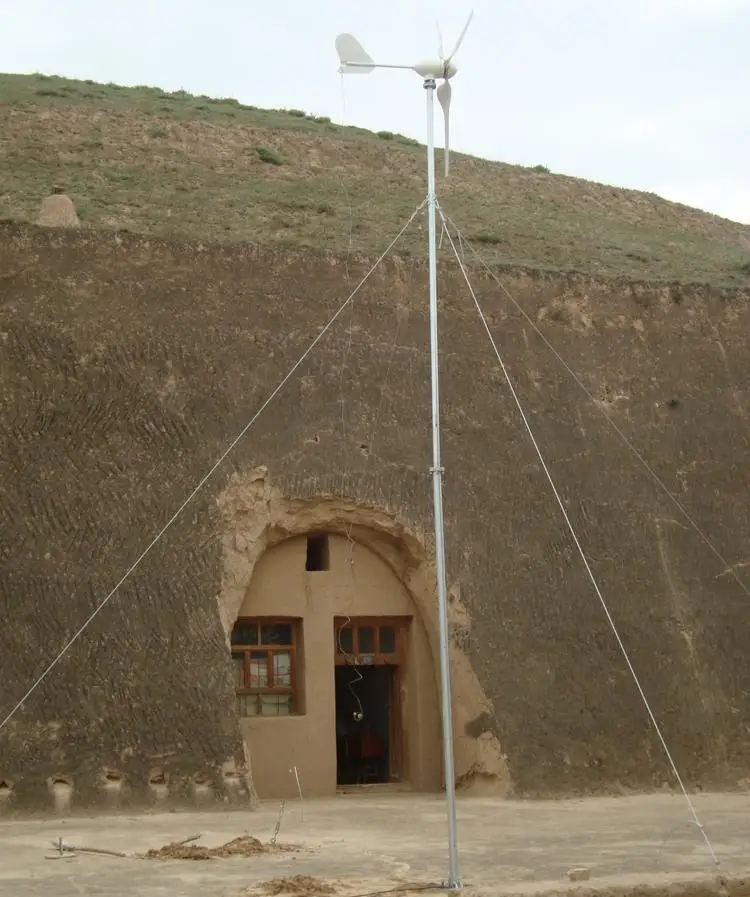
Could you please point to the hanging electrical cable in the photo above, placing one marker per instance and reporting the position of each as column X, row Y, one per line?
column 349, row 658
column 343, row 464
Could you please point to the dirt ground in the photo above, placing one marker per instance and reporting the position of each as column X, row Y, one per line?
column 356, row 844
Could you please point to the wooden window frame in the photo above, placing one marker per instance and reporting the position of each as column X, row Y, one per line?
column 400, row 626
column 270, row 650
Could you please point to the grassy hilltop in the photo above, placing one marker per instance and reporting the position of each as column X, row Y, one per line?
column 173, row 164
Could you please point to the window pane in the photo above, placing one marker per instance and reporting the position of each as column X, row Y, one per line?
column 387, row 640
column 247, row 705
column 245, row 633
column 258, row 669
column 344, row 641
column 276, row 633
column 282, row 669
column 275, row 705
column 366, row 640
column 238, row 662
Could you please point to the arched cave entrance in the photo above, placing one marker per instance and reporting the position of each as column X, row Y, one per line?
column 334, row 671
column 276, row 562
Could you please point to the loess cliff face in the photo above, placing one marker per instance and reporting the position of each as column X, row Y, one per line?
column 129, row 363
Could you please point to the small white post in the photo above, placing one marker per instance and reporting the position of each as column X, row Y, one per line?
column 299, row 791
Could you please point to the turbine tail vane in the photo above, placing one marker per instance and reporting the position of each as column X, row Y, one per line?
column 354, row 59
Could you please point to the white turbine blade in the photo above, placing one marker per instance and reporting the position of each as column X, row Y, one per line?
column 444, row 94
column 461, row 36
column 440, row 40
column 354, row 59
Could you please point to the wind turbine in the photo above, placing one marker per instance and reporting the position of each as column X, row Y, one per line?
column 354, row 60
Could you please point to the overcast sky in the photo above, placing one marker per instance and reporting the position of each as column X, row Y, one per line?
column 650, row 94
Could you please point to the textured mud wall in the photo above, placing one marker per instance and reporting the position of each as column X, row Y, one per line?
column 128, row 364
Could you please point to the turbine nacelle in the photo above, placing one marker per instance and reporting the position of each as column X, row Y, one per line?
column 435, row 68
column 355, row 60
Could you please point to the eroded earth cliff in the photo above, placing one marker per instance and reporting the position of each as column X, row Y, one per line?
column 129, row 363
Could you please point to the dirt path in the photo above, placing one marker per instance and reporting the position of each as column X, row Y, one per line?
column 354, row 844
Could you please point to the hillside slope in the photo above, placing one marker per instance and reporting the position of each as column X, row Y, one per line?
column 194, row 167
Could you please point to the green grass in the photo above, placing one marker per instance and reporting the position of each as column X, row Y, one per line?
column 268, row 156
column 196, row 167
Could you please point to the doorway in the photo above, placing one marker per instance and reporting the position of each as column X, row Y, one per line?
column 363, row 724
column 369, row 665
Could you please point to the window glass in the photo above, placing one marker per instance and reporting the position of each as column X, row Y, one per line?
column 275, row 705
column 263, row 663
column 387, row 640
column 247, row 705
column 282, row 669
column 276, row 633
column 258, row 669
column 244, row 633
column 366, row 640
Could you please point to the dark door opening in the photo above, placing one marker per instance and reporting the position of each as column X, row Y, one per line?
column 364, row 724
